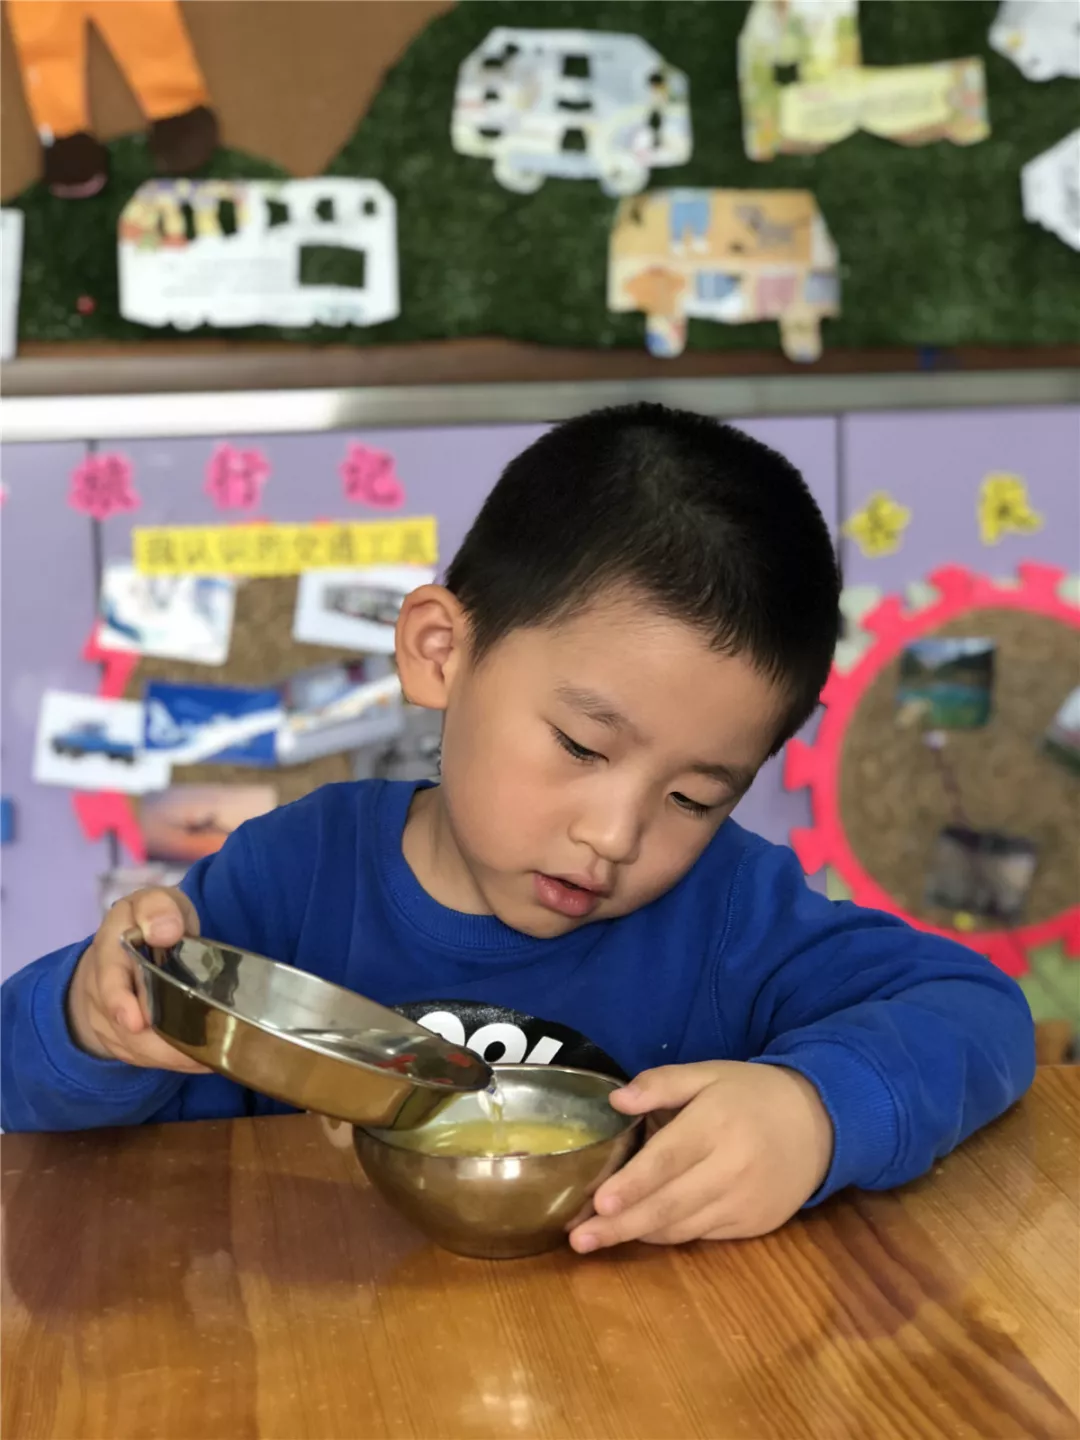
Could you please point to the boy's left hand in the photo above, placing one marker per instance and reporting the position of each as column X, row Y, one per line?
column 749, row 1146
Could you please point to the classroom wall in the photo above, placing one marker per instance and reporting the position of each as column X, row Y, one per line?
column 52, row 557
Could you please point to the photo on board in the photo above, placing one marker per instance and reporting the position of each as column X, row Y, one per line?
column 89, row 743
column 1062, row 738
column 173, row 617
column 333, row 708
column 946, row 684
column 354, row 609
column 123, row 881
column 981, row 872
column 182, row 824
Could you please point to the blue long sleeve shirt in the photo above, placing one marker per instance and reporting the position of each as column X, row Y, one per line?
column 912, row 1042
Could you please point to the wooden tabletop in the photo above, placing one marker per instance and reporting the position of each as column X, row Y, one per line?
column 239, row 1279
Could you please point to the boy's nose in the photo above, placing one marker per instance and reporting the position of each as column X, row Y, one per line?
column 613, row 832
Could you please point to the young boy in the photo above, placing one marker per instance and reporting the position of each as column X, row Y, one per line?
column 643, row 612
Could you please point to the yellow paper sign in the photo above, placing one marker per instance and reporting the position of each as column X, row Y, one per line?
column 283, row 549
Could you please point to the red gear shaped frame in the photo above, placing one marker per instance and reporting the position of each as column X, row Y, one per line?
column 816, row 766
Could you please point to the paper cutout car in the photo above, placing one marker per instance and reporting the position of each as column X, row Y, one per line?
column 571, row 103
column 1050, row 186
column 259, row 252
column 729, row 255
column 803, row 85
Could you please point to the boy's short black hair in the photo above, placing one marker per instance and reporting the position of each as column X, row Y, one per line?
column 709, row 525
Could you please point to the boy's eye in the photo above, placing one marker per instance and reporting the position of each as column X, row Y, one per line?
column 571, row 747
column 692, row 807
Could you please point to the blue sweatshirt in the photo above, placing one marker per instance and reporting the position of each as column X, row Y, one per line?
column 912, row 1042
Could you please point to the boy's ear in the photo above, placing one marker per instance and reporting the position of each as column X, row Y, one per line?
column 430, row 643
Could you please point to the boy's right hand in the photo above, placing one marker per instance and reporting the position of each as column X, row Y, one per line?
column 104, row 1013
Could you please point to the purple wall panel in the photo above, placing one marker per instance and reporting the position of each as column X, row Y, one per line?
column 934, row 463
column 47, row 587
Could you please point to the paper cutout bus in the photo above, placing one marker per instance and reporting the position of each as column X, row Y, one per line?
column 729, row 255
column 571, row 103
column 259, row 252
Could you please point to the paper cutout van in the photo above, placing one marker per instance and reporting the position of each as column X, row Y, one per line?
column 727, row 255
column 259, row 252
column 571, row 103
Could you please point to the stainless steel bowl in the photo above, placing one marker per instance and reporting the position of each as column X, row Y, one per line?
column 300, row 1039
column 502, row 1206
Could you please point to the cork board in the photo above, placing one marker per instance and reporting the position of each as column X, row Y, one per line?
column 893, row 802
column 290, row 80
column 262, row 652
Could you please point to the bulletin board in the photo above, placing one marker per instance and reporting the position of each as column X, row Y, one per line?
column 934, row 249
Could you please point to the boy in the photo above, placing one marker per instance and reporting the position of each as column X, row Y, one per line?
column 644, row 611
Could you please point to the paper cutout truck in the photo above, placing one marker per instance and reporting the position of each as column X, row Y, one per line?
column 729, row 255
column 571, row 103
column 259, row 252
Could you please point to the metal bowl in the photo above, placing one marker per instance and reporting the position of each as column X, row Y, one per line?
column 300, row 1039
column 499, row 1207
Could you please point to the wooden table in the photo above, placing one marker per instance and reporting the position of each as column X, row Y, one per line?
column 232, row 1280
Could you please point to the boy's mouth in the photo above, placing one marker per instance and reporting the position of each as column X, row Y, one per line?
column 572, row 898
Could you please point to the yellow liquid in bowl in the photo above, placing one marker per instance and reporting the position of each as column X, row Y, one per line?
column 503, row 1137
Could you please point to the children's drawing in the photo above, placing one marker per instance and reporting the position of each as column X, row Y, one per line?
column 235, row 478
column 1050, row 186
column 355, row 609
column 1040, row 37
column 803, row 85
column 1004, row 509
column 259, row 252
column 102, row 486
column 175, row 617
column 11, row 245
column 571, row 103
column 728, row 255
column 87, row 743
column 150, row 43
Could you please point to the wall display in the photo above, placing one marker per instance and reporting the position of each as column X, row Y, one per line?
column 732, row 256
column 571, row 103
column 102, row 486
column 356, row 609
column 878, row 528
column 1041, row 37
column 1005, row 509
column 804, row 87
column 235, row 478
column 369, row 477
column 1062, row 738
column 335, row 708
column 88, row 743
column 946, row 684
column 271, row 550
column 259, row 252
column 177, row 617
column 972, row 832
column 11, row 248
column 1050, row 186
column 182, row 824
column 218, row 724
column 150, row 43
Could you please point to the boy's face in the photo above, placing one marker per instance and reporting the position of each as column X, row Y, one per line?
column 587, row 765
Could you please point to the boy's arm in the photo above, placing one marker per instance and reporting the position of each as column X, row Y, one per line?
column 46, row 1081
column 912, row 1042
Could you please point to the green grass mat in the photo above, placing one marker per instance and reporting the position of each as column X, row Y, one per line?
column 934, row 247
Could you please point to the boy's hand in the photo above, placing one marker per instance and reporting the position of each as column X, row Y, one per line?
column 749, row 1146
column 104, row 1013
